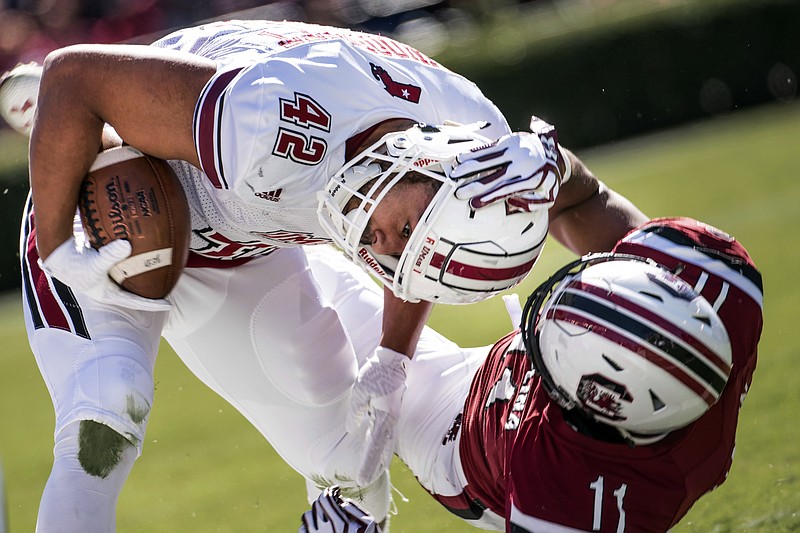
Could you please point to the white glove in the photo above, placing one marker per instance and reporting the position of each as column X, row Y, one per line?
column 331, row 514
column 523, row 169
column 86, row 270
column 375, row 401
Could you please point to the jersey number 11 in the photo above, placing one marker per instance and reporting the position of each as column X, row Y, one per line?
column 598, row 487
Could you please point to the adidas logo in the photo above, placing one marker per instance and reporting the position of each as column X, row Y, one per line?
column 272, row 196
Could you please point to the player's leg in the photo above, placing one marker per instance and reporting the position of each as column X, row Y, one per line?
column 97, row 362
column 102, row 395
column 74, row 500
column 271, row 323
column 276, row 349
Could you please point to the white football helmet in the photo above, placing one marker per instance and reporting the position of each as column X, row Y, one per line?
column 628, row 343
column 455, row 255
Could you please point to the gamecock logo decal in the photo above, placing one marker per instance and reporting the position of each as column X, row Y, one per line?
column 603, row 396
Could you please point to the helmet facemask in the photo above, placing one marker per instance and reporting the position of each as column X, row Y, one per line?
column 455, row 254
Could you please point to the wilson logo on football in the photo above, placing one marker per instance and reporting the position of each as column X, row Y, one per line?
column 119, row 227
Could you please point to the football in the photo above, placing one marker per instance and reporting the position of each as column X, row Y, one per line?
column 133, row 196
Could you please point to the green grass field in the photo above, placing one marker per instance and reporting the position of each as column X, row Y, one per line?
column 205, row 470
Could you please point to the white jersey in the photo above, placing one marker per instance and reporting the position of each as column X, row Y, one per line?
column 271, row 127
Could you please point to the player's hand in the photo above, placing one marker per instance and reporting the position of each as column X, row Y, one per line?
column 86, row 270
column 375, row 401
column 331, row 514
column 523, row 169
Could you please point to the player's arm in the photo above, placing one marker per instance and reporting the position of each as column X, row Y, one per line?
column 402, row 322
column 587, row 215
column 378, row 392
column 147, row 94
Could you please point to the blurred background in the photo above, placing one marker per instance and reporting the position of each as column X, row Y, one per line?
column 600, row 70
column 688, row 107
column 31, row 28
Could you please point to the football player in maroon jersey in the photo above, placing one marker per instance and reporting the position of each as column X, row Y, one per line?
column 612, row 408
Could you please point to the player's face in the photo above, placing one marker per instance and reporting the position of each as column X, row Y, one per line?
column 396, row 216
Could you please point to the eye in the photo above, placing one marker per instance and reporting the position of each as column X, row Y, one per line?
column 406, row 233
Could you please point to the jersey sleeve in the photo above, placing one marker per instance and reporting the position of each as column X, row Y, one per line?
column 259, row 125
column 216, row 129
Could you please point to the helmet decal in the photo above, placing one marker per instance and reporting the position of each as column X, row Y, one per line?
column 602, row 395
column 464, row 270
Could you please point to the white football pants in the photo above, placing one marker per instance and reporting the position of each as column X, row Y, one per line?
column 262, row 335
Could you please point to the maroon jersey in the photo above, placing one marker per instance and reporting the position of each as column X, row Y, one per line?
column 523, row 461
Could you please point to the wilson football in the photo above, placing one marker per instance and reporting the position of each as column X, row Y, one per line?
column 133, row 196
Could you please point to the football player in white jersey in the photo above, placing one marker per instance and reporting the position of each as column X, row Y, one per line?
column 283, row 134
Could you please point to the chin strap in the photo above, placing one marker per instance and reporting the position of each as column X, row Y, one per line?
column 586, row 425
column 640, row 439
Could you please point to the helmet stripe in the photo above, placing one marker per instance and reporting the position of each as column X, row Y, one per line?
column 464, row 270
column 648, row 338
column 683, row 240
column 636, row 347
column 646, row 314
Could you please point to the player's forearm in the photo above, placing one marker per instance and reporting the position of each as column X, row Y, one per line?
column 403, row 323
column 596, row 224
column 147, row 94
column 588, row 216
column 65, row 139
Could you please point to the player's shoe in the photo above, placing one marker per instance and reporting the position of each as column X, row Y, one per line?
column 19, row 89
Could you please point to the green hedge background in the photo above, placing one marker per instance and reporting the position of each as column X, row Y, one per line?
column 605, row 74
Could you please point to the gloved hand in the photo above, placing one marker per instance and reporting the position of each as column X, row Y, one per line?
column 331, row 514
column 523, row 169
column 375, row 401
column 86, row 270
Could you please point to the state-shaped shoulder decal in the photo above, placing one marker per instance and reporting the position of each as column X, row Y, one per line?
column 404, row 91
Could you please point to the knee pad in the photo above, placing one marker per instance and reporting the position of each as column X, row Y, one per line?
column 115, row 390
